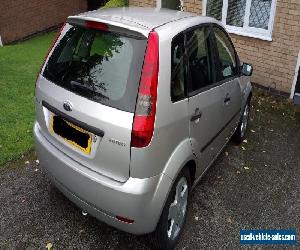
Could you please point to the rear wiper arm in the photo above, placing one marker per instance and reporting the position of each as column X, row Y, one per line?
column 83, row 86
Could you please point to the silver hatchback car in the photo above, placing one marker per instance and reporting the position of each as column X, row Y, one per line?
column 132, row 106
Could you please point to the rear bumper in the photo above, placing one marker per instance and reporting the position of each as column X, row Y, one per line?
column 138, row 199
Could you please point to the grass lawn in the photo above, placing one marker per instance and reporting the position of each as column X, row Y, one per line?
column 19, row 65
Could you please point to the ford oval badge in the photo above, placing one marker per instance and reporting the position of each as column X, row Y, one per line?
column 67, row 106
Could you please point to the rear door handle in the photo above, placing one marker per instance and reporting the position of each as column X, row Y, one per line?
column 197, row 115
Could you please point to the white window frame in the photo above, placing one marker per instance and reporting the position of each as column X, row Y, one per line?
column 246, row 30
column 158, row 4
column 295, row 77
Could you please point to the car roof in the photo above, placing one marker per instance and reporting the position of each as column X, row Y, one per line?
column 140, row 19
column 135, row 17
column 146, row 17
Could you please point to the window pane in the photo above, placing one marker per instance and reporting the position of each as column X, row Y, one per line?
column 171, row 4
column 214, row 9
column 101, row 66
column 177, row 68
column 199, row 59
column 236, row 12
column 227, row 66
column 260, row 13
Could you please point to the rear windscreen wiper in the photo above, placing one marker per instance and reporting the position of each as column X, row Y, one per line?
column 82, row 86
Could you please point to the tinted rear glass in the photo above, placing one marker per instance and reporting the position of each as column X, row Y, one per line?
column 102, row 66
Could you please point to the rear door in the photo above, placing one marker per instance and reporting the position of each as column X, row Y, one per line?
column 86, row 96
column 227, row 71
column 205, row 97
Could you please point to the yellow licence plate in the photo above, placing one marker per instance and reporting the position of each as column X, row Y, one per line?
column 71, row 133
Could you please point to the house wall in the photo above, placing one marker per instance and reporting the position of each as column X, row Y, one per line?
column 19, row 18
column 142, row 3
column 274, row 61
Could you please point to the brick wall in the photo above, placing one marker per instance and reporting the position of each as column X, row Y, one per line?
column 21, row 18
column 193, row 6
column 274, row 62
column 142, row 3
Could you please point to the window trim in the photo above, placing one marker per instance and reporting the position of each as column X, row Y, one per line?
column 246, row 30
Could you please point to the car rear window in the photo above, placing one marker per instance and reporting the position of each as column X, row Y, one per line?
column 102, row 66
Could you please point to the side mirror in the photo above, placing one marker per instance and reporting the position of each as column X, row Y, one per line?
column 247, row 69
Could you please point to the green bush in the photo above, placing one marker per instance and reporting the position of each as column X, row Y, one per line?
column 115, row 3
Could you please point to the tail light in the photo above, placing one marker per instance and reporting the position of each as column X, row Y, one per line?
column 51, row 47
column 96, row 25
column 144, row 117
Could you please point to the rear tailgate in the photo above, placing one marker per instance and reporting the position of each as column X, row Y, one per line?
column 90, row 80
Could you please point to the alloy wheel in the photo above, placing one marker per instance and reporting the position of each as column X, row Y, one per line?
column 177, row 209
column 245, row 118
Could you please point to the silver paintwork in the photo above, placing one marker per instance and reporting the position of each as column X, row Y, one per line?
column 101, row 196
column 133, row 18
column 116, row 179
column 211, row 106
column 115, row 123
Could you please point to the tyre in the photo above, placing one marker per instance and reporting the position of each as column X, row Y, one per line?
column 173, row 217
column 240, row 131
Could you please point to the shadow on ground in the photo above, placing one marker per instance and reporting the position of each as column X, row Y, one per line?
column 255, row 185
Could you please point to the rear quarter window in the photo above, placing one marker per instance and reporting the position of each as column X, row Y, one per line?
column 177, row 69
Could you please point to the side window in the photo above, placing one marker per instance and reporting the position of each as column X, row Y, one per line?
column 177, row 68
column 199, row 59
column 227, row 66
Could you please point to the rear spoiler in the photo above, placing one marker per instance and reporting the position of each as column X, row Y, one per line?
column 123, row 27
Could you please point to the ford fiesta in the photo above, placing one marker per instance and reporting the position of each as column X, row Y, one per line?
column 132, row 106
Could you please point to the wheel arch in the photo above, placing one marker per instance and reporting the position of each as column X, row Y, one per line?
column 181, row 157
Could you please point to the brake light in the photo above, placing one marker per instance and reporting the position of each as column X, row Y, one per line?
column 96, row 25
column 144, row 117
column 49, row 50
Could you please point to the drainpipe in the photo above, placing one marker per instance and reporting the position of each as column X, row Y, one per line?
column 181, row 5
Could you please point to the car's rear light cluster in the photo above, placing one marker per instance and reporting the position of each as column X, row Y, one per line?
column 144, row 117
column 51, row 47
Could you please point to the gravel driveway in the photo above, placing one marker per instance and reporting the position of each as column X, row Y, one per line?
column 255, row 185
